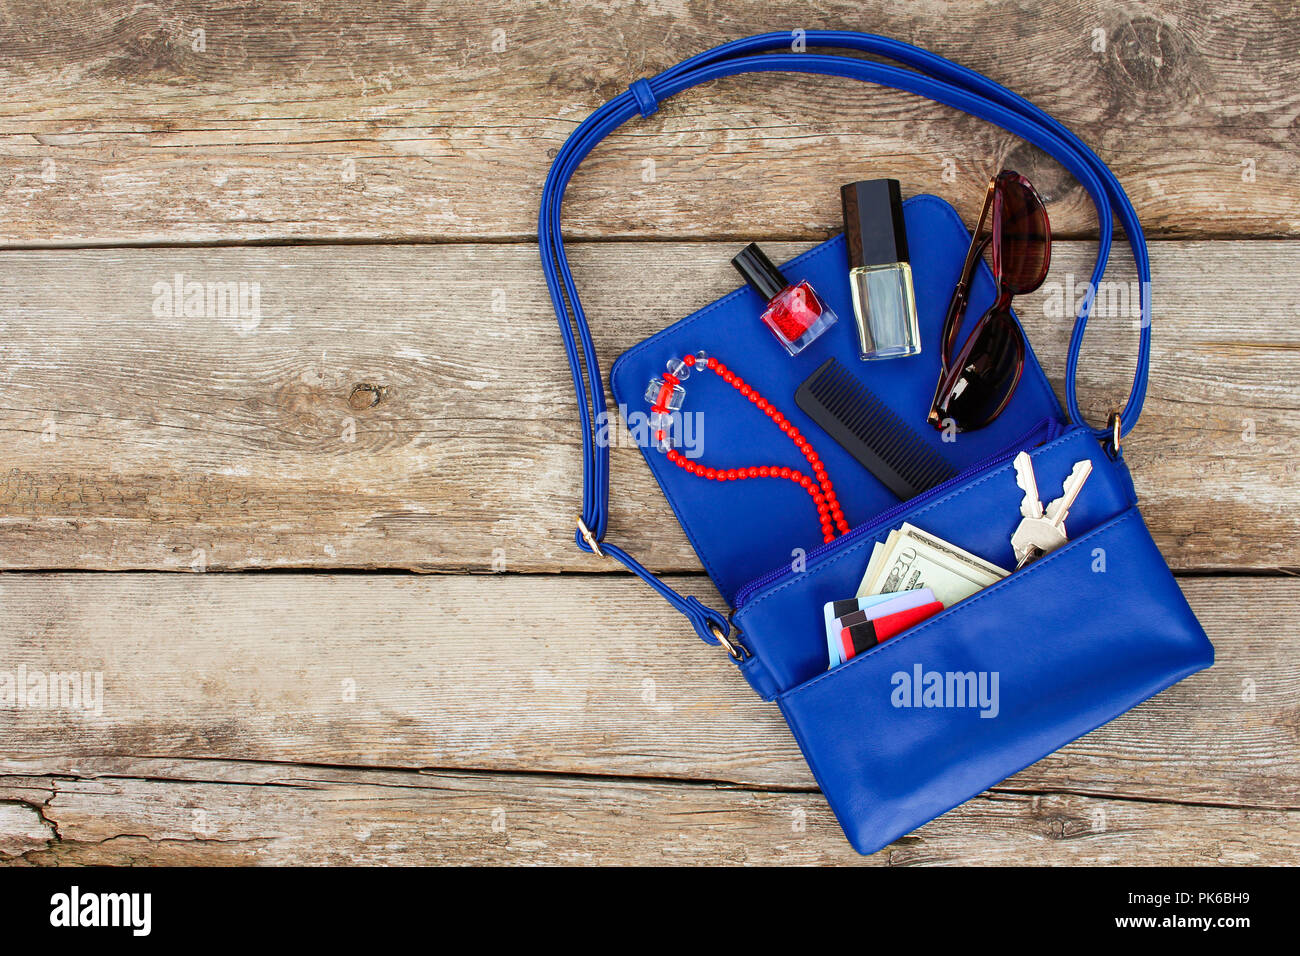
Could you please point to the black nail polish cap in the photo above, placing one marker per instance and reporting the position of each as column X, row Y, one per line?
column 763, row 277
column 873, row 222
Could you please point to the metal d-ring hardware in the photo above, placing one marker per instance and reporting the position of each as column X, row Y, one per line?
column 1114, row 432
column 736, row 650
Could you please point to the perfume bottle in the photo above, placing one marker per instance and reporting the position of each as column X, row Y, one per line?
column 795, row 313
column 880, row 273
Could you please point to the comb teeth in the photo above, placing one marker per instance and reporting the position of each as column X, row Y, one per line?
column 870, row 432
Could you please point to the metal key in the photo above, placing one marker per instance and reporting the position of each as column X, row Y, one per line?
column 1030, row 505
column 1031, row 508
column 1035, row 537
column 1059, row 509
column 1035, row 532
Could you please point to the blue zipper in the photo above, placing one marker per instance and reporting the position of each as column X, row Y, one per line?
column 1049, row 426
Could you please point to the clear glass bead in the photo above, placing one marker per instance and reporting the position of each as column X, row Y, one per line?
column 656, row 394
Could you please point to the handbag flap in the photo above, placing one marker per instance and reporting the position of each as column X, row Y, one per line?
column 743, row 529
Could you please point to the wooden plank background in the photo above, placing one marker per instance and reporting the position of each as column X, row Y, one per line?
column 398, row 404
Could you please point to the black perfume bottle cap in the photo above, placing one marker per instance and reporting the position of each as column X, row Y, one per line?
column 873, row 222
column 763, row 277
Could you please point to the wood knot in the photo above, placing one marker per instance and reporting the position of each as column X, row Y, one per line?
column 1151, row 57
column 1050, row 178
column 367, row 395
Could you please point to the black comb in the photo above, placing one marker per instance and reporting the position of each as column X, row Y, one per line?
column 870, row 432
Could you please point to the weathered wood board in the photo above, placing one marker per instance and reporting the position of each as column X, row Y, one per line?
column 215, row 812
column 410, row 407
column 251, row 122
column 567, row 675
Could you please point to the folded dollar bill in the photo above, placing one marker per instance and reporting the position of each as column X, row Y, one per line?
column 911, row 558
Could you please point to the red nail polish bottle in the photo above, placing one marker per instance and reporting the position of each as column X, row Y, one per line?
column 795, row 313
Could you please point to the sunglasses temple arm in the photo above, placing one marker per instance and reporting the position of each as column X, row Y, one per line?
column 957, row 304
column 956, row 308
column 961, row 294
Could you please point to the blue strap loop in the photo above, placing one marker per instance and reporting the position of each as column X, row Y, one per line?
column 645, row 97
column 930, row 76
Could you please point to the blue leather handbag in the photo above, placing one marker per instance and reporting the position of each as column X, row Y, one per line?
column 1065, row 644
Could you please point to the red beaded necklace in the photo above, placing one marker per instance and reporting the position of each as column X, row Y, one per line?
column 666, row 396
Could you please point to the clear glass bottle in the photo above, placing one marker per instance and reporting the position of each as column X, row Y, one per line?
column 884, row 304
column 880, row 271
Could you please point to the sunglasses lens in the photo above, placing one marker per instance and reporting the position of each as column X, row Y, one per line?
column 1023, row 243
column 983, row 376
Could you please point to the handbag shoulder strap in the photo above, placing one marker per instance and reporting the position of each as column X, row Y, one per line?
column 930, row 76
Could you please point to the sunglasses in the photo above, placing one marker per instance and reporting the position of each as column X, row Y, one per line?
column 977, row 382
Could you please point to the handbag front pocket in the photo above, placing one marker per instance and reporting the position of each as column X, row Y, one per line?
column 938, row 714
column 781, row 621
